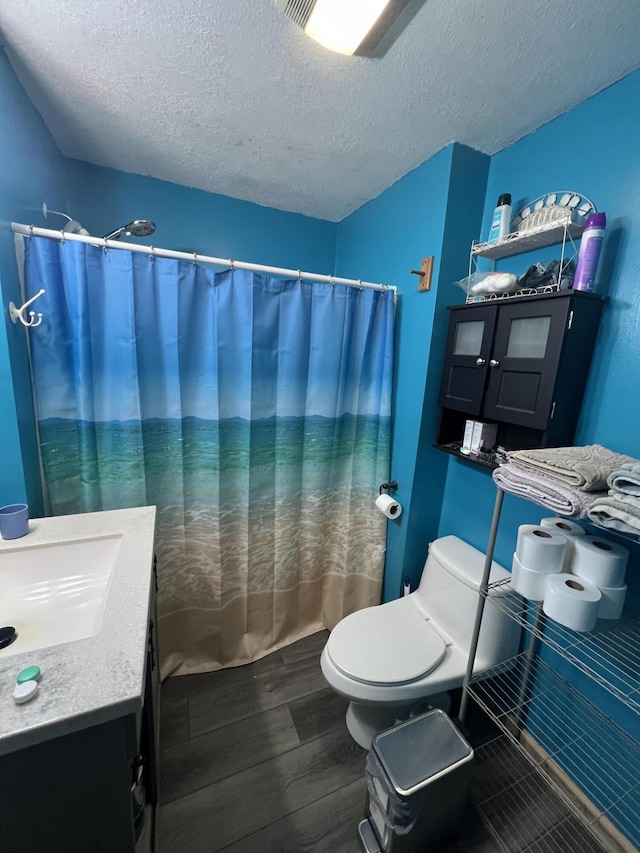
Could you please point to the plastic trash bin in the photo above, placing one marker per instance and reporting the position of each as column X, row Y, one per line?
column 417, row 785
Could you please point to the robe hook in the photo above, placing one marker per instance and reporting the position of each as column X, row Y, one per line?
column 18, row 313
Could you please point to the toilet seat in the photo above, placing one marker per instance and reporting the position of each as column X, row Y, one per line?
column 388, row 644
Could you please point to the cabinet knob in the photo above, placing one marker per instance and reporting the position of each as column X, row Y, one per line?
column 494, row 363
column 481, row 361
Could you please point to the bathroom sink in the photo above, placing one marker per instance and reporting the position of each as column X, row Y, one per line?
column 57, row 593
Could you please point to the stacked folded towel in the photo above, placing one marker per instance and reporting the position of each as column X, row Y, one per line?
column 619, row 509
column 626, row 479
column 586, row 468
column 567, row 480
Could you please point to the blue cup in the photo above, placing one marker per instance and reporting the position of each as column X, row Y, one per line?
column 14, row 521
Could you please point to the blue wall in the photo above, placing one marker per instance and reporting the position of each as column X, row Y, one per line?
column 191, row 220
column 434, row 210
column 32, row 170
column 592, row 150
column 437, row 209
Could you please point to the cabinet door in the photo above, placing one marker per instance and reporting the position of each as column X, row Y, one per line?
column 466, row 358
column 524, row 362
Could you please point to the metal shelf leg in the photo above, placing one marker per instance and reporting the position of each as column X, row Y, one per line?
column 484, row 585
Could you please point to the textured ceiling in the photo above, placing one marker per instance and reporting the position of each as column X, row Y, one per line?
column 230, row 96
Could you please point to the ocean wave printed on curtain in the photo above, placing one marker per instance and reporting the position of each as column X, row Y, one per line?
column 252, row 412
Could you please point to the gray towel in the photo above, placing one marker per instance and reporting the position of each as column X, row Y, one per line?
column 585, row 468
column 626, row 479
column 617, row 512
column 544, row 490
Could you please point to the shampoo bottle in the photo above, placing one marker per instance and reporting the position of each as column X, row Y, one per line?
column 586, row 277
column 501, row 218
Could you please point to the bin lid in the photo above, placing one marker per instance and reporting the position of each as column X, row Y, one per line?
column 420, row 750
column 388, row 644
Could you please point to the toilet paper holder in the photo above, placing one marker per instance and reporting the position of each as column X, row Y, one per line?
column 392, row 485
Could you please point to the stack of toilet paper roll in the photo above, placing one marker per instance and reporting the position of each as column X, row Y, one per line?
column 578, row 578
column 540, row 553
column 603, row 564
column 570, row 530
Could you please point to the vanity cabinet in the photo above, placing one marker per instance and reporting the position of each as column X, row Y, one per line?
column 521, row 363
column 93, row 790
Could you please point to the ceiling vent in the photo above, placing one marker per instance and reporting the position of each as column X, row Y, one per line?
column 393, row 18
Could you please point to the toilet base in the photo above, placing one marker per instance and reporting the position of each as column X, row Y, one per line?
column 364, row 722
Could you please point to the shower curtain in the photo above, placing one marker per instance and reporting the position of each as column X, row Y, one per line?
column 253, row 412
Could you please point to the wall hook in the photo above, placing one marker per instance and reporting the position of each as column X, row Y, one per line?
column 424, row 273
column 18, row 313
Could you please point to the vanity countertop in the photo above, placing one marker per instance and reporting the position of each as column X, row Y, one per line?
column 94, row 680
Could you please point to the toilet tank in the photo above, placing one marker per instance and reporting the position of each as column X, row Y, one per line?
column 448, row 595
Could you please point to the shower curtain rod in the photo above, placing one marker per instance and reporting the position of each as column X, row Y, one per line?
column 101, row 242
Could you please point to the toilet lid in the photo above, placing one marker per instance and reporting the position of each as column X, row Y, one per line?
column 388, row 644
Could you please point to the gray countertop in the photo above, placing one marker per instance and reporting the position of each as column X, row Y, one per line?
column 93, row 680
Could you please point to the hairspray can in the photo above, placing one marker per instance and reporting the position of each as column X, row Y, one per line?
column 590, row 254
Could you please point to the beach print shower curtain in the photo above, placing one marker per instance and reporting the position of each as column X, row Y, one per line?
column 252, row 412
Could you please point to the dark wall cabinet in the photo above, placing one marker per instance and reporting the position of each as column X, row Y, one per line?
column 522, row 363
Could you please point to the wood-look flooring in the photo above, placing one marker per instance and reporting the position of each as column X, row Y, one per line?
column 257, row 759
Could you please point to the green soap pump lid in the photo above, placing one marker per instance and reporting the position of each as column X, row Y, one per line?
column 31, row 673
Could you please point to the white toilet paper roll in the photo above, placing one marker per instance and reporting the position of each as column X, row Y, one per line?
column 388, row 506
column 612, row 602
column 569, row 529
column 599, row 561
column 541, row 549
column 530, row 584
column 563, row 525
column 524, row 528
column 572, row 601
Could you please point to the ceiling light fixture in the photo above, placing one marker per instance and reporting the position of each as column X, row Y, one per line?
column 360, row 27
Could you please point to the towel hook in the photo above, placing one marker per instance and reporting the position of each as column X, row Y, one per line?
column 18, row 313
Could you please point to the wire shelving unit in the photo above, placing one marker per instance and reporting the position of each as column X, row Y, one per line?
column 589, row 760
column 560, row 231
column 609, row 655
column 574, row 736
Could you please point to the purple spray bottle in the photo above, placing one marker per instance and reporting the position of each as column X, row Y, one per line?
column 586, row 277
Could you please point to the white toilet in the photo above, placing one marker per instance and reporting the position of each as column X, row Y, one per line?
column 404, row 656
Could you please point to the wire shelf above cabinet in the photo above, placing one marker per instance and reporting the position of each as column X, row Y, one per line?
column 526, row 241
column 546, row 290
column 569, row 731
column 610, row 654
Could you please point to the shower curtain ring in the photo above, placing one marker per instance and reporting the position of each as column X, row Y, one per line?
column 195, row 259
column 299, row 277
column 152, row 257
column 105, row 247
column 62, row 237
column 31, row 231
column 331, row 281
column 360, row 283
column 232, row 265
